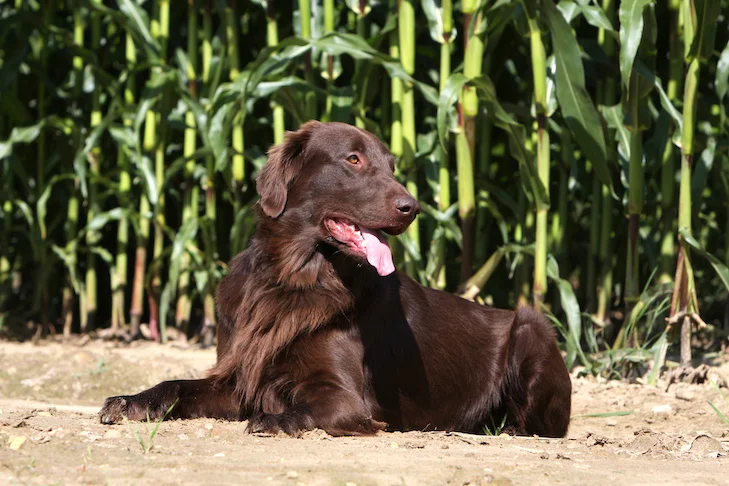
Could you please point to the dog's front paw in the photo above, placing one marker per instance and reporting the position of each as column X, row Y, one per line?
column 133, row 408
column 288, row 423
column 372, row 426
column 116, row 408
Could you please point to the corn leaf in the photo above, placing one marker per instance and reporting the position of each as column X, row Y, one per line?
column 577, row 108
column 721, row 269
column 630, row 14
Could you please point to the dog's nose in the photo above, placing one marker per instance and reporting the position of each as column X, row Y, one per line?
column 407, row 206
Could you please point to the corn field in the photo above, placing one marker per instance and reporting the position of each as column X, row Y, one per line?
column 570, row 155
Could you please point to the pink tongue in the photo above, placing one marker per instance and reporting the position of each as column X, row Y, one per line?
column 378, row 252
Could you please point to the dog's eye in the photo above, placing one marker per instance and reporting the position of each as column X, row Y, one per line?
column 353, row 159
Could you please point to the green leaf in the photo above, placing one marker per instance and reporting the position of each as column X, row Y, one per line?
column 659, row 358
column 41, row 205
column 434, row 14
column 219, row 136
column 145, row 165
column 577, row 108
column 20, row 135
column 620, row 413
column 139, row 25
column 517, row 142
column 79, row 161
column 185, row 236
column 630, row 14
column 447, row 97
column 517, row 134
column 100, row 220
column 719, row 414
column 267, row 88
column 68, row 256
column 568, row 9
column 721, row 81
column 124, row 136
column 721, row 270
column 103, row 253
column 702, row 169
column 25, row 209
column 666, row 103
column 596, row 17
column 569, row 304
column 615, row 120
column 707, row 13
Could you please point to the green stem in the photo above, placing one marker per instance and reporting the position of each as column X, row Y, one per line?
column 189, row 211
column 539, row 73
column 88, row 322
column 685, row 290
column 635, row 200
column 444, row 174
column 329, row 27
column 607, row 97
column 157, row 328
column 466, row 137
column 668, row 169
column 279, row 124
column 309, row 97
column 406, row 38
column 605, row 256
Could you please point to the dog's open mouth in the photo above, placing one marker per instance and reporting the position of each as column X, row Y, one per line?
column 369, row 243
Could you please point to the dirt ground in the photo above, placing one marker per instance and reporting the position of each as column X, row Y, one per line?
column 50, row 394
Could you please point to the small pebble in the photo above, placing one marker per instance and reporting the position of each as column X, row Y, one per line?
column 219, row 454
column 16, row 442
column 662, row 409
column 611, row 423
column 686, row 395
column 292, row 475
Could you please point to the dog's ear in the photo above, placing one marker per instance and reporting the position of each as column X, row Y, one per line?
column 285, row 162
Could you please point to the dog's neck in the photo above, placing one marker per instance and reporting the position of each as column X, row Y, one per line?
column 302, row 259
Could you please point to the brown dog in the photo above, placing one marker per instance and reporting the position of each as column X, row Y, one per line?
column 318, row 330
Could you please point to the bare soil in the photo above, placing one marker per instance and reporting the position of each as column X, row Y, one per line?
column 50, row 394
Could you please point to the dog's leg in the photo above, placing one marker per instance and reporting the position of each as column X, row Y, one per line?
column 182, row 398
column 337, row 411
column 541, row 402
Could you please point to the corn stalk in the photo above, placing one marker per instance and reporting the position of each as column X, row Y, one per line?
column 192, row 190
column 406, row 39
column 607, row 96
column 668, row 168
column 539, row 74
column 699, row 32
column 444, row 170
column 88, row 313
column 279, row 123
column 466, row 136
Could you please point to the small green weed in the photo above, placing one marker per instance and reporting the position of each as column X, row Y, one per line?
column 148, row 443
column 494, row 429
column 726, row 402
column 604, row 414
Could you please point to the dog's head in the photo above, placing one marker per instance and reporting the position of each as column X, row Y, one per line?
column 338, row 180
